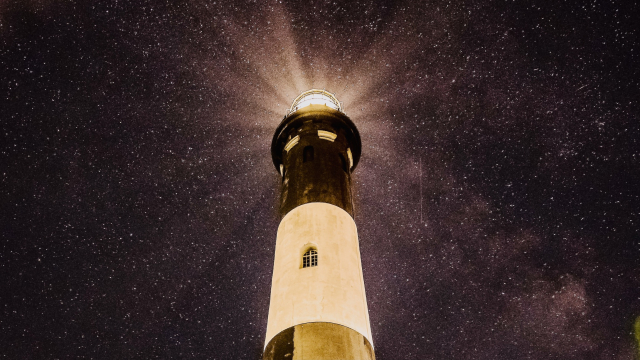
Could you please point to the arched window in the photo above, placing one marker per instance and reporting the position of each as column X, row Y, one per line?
column 310, row 258
column 307, row 154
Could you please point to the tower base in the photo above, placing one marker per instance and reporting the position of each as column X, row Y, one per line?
column 318, row 341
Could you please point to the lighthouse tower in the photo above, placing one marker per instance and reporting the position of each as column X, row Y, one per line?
column 318, row 308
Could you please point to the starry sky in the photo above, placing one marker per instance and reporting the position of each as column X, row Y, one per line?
column 497, row 196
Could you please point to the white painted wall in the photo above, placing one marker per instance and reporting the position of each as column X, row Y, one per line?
column 331, row 292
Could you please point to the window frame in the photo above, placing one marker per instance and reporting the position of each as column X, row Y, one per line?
column 310, row 258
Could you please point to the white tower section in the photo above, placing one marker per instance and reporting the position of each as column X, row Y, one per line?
column 332, row 291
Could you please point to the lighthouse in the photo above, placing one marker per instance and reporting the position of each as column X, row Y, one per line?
column 318, row 308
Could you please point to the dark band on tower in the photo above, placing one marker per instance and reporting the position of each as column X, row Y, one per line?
column 315, row 149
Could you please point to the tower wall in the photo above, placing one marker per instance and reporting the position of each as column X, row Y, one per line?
column 318, row 312
column 326, row 177
column 319, row 341
column 331, row 292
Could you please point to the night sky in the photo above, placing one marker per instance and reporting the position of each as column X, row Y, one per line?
column 497, row 197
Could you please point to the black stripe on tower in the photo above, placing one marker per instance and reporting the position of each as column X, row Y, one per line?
column 318, row 341
column 316, row 168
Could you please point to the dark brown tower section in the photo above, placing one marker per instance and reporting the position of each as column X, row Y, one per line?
column 319, row 341
column 316, row 168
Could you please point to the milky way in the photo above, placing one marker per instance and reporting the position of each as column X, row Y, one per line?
column 496, row 197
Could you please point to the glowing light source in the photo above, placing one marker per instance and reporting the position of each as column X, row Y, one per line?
column 315, row 97
column 292, row 143
column 327, row 135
